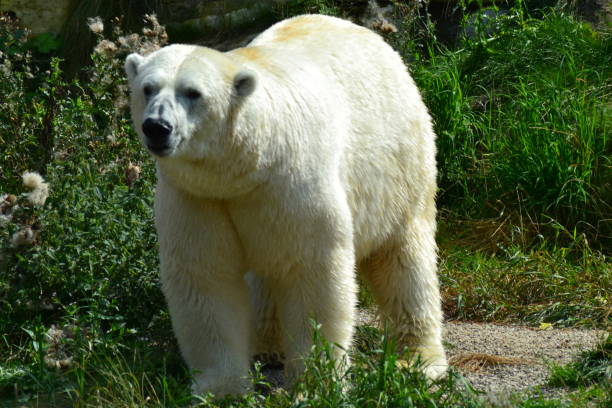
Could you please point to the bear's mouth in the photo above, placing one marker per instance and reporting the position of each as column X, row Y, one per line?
column 164, row 149
column 160, row 150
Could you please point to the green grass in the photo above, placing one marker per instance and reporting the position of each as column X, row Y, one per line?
column 112, row 377
column 118, row 377
column 523, row 118
column 533, row 286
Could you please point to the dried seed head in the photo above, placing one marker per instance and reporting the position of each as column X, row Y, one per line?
column 95, row 25
column 106, row 48
column 129, row 42
column 4, row 220
column 132, row 173
column 56, row 355
column 8, row 205
column 40, row 189
column 38, row 196
column 23, row 237
column 6, row 202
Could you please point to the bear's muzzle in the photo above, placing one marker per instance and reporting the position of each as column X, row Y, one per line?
column 158, row 133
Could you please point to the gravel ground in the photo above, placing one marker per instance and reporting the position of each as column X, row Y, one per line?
column 499, row 358
column 531, row 349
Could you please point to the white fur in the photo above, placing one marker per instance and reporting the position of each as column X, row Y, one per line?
column 323, row 164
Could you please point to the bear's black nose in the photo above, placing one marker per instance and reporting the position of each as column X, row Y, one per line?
column 158, row 133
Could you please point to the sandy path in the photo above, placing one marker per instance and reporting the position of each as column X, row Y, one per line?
column 531, row 349
column 516, row 358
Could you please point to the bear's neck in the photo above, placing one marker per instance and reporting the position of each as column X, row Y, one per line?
column 200, row 179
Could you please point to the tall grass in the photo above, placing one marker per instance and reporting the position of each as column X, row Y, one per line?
column 528, row 286
column 523, row 117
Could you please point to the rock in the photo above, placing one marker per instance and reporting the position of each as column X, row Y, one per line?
column 40, row 16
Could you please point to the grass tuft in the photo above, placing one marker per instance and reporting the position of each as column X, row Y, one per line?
column 591, row 367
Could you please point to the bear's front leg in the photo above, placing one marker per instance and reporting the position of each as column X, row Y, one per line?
column 202, row 279
column 321, row 287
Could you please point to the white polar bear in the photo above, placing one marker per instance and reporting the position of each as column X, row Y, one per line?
column 300, row 158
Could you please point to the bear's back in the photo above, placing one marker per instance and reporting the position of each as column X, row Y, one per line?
column 308, row 31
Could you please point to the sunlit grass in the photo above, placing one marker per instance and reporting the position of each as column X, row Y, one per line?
column 524, row 119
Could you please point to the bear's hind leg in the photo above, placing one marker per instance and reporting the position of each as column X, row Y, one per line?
column 402, row 276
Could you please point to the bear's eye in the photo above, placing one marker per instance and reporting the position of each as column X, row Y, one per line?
column 148, row 90
column 192, row 94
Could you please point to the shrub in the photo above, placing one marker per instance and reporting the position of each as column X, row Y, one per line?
column 95, row 249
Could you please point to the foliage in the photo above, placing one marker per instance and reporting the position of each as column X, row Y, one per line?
column 92, row 261
column 297, row 7
column 535, row 286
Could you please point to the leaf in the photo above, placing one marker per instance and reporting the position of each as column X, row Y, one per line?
column 45, row 43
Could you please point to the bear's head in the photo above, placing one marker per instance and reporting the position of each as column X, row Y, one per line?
column 189, row 107
column 182, row 98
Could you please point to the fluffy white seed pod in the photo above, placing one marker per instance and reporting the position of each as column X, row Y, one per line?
column 23, row 237
column 32, row 180
column 40, row 189
column 39, row 195
column 95, row 25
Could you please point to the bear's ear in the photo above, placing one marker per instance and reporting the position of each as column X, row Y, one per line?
column 132, row 63
column 245, row 83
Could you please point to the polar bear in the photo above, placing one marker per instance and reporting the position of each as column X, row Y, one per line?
column 284, row 168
